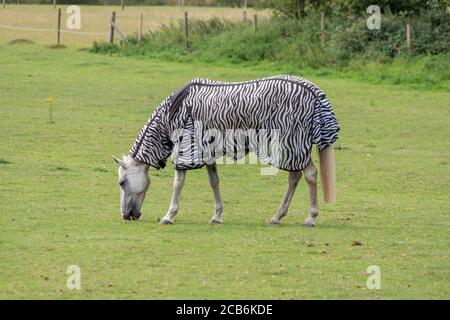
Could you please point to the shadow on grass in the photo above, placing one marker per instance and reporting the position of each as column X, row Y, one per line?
column 21, row 41
column 57, row 46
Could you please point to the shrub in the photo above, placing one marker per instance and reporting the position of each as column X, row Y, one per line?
column 348, row 44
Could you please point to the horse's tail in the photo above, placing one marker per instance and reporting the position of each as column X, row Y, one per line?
column 328, row 173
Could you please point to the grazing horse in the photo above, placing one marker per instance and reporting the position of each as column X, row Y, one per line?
column 278, row 118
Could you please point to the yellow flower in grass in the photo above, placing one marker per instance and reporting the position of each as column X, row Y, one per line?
column 49, row 100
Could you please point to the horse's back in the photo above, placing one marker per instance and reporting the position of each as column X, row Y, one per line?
column 251, row 104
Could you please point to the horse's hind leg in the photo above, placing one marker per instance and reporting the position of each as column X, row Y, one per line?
column 294, row 178
column 213, row 178
column 310, row 173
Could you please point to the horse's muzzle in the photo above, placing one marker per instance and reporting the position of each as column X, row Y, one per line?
column 131, row 215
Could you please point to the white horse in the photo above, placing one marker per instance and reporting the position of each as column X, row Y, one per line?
column 293, row 107
column 134, row 182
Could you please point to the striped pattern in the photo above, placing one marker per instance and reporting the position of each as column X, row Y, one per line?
column 278, row 118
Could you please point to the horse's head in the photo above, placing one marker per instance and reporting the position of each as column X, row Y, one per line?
column 134, row 183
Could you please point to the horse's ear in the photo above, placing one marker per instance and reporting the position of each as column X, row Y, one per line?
column 119, row 162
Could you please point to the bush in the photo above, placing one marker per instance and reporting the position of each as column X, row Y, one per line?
column 347, row 45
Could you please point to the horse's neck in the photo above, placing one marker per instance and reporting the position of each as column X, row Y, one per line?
column 159, row 144
column 143, row 164
column 137, row 162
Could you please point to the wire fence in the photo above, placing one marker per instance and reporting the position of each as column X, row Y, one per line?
column 46, row 24
column 39, row 23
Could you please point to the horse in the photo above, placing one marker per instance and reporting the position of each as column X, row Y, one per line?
column 279, row 118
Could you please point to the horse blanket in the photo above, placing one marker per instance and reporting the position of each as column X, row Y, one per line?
column 279, row 118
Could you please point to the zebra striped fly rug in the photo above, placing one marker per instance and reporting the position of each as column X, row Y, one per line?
column 279, row 118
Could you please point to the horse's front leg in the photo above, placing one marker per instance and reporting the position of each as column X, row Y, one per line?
column 178, row 183
column 294, row 178
column 213, row 178
column 311, row 178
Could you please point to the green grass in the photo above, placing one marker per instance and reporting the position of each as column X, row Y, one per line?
column 59, row 196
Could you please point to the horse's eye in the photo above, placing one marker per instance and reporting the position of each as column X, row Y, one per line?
column 121, row 183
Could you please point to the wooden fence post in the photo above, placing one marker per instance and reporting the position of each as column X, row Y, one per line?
column 186, row 31
column 111, row 30
column 122, row 4
column 255, row 22
column 408, row 36
column 3, row 4
column 322, row 27
column 54, row 4
column 58, row 40
column 141, row 18
column 244, row 14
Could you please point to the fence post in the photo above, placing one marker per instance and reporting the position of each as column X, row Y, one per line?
column 408, row 36
column 111, row 30
column 141, row 18
column 54, row 4
column 122, row 4
column 3, row 4
column 322, row 27
column 244, row 14
column 186, row 30
column 255, row 22
column 58, row 40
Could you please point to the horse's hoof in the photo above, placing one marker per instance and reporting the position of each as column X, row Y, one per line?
column 164, row 221
column 308, row 225
column 274, row 221
column 214, row 221
column 309, row 222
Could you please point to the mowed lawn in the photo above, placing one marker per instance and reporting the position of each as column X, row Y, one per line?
column 59, row 202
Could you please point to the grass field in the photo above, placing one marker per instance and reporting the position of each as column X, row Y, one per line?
column 59, row 201
column 95, row 19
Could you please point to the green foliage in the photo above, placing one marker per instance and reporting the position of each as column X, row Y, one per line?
column 300, row 8
column 168, row 42
column 402, row 7
column 288, row 8
column 348, row 44
column 430, row 36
